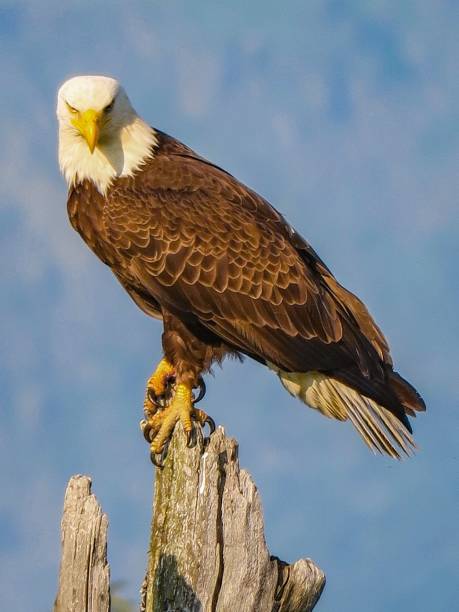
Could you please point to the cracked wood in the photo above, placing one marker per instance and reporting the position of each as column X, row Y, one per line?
column 84, row 578
column 208, row 551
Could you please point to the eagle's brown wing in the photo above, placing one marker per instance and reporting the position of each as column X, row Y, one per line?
column 185, row 237
column 198, row 241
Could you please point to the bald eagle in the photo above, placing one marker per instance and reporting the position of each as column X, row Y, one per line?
column 224, row 271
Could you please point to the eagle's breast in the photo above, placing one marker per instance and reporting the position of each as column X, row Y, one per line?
column 86, row 208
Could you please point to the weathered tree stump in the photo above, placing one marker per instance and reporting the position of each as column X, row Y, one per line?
column 207, row 546
column 84, row 577
column 207, row 550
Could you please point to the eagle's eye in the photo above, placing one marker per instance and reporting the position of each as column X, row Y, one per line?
column 71, row 109
column 109, row 107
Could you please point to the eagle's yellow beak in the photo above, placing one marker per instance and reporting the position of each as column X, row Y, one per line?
column 88, row 124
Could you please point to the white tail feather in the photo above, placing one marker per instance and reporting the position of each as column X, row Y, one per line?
column 379, row 428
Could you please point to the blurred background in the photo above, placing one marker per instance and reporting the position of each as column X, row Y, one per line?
column 346, row 117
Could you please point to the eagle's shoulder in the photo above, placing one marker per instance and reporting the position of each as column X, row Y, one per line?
column 176, row 170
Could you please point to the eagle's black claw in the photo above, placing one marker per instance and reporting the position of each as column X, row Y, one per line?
column 146, row 430
column 162, row 400
column 190, row 438
column 202, row 390
column 159, row 401
column 157, row 459
column 211, row 423
column 154, row 399
column 146, row 433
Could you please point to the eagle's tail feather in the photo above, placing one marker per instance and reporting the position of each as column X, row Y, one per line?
column 406, row 393
column 381, row 430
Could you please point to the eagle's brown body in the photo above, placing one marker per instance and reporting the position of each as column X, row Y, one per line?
column 227, row 274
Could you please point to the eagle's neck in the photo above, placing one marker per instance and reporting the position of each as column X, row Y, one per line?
column 120, row 155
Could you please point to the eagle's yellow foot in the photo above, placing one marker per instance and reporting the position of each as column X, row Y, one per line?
column 159, row 385
column 158, row 425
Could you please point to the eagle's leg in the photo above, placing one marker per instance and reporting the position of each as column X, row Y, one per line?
column 188, row 353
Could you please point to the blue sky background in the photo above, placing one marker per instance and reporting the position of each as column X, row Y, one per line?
column 345, row 115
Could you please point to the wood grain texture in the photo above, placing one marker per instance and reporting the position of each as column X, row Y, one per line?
column 208, row 551
column 84, row 578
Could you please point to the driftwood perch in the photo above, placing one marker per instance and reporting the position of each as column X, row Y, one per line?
column 208, row 551
column 84, row 577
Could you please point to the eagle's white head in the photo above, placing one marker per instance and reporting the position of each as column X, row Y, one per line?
column 101, row 136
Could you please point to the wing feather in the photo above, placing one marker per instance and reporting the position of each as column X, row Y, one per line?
column 201, row 241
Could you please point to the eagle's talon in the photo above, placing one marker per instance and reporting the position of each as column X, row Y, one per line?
column 157, row 459
column 202, row 390
column 154, row 399
column 190, row 438
column 159, row 422
column 211, row 424
column 160, row 383
column 161, row 400
column 148, row 431
column 145, row 428
column 158, row 456
column 204, row 419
